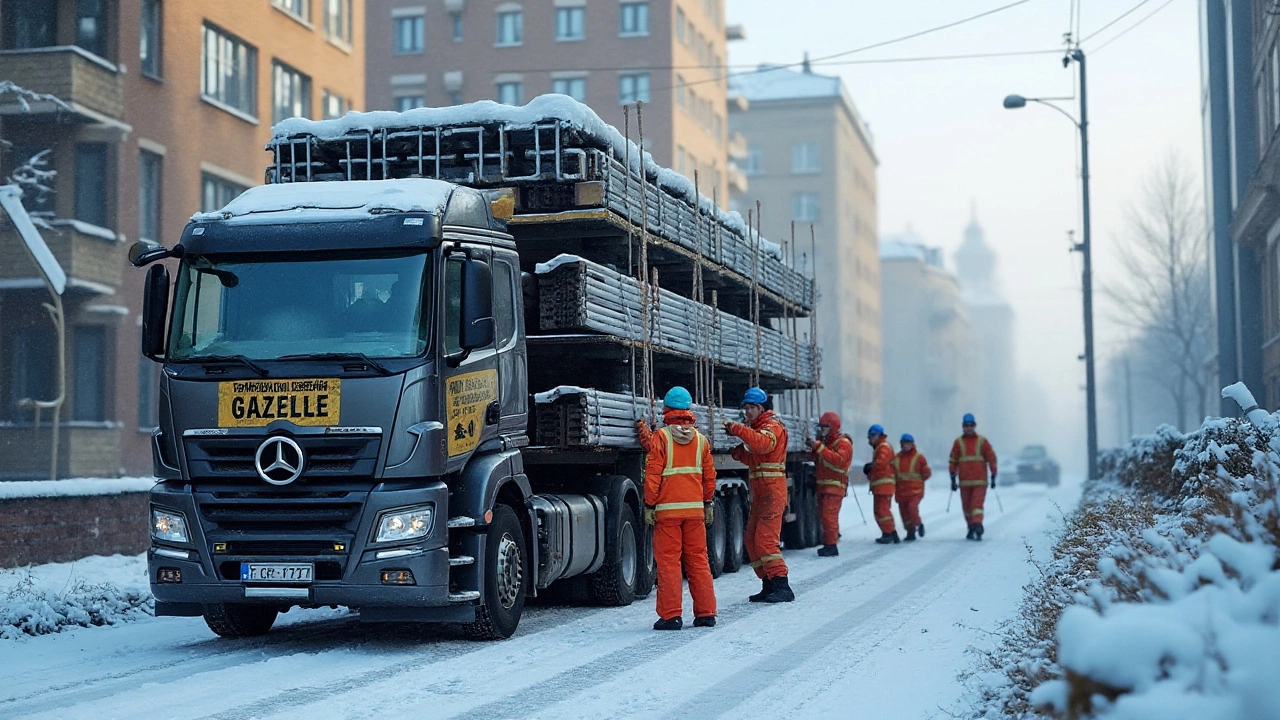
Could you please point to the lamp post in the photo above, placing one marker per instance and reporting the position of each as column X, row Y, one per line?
column 1012, row 102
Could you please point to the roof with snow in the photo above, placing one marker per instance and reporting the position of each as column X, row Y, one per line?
column 337, row 200
column 782, row 83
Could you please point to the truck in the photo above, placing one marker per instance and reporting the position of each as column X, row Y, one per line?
column 403, row 375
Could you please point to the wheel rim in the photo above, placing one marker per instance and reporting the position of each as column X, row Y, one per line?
column 627, row 554
column 737, row 531
column 718, row 533
column 510, row 571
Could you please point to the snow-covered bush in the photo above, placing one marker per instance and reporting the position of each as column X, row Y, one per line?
column 32, row 605
column 1162, row 594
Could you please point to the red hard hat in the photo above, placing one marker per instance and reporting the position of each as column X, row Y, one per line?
column 831, row 420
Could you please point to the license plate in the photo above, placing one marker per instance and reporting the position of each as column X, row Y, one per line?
column 277, row 572
column 257, row 403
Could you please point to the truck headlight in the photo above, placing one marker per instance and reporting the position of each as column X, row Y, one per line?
column 405, row 524
column 169, row 525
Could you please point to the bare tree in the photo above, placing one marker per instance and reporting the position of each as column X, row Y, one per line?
column 1166, row 294
column 33, row 175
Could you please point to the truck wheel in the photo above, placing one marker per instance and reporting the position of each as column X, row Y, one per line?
column 506, row 579
column 614, row 584
column 647, row 570
column 793, row 532
column 735, row 534
column 813, row 526
column 716, row 539
column 231, row 620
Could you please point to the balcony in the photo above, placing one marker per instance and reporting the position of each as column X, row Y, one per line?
column 92, row 262
column 92, row 86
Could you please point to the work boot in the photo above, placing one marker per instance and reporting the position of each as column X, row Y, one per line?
column 920, row 529
column 708, row 621
column 828, row 551
column 781, row 591
column 977, row 531
column 911, row 535
column 674, row 623
column 887, row 538
column 972, row 534
column 894, row 538
column 766, row 587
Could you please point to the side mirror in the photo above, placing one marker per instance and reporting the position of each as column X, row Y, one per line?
column 477, row 306
column 142, row 254
column 155, row 302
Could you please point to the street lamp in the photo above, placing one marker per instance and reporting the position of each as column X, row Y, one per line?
column 1013, row 102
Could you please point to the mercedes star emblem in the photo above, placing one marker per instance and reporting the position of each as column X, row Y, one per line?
column 278, row 460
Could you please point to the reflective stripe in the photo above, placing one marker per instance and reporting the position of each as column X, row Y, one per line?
column 757, row 563
column 881, row 482
column 671, row 451
column 910, row 476
column 977, row 449
column 976, row 511
column 886, row 518
column 678, row 506
column 972, row 483
column 771, row 466
column 773, row 438
column 837, row 483
column 768, row 558
column 911, row 473
column 834, row 468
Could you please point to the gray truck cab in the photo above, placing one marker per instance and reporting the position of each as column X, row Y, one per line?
column 344, row 384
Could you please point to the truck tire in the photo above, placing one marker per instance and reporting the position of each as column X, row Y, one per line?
column 230, row 620
column 717, row 540
column 506, row 578
column 813, row 525
column 793, row 532
column 735, row 526
column 614, row 584
column 647, row 570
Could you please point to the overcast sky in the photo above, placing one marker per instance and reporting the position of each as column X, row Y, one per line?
column 945, row 143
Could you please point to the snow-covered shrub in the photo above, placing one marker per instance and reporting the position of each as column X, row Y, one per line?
column 26, row 608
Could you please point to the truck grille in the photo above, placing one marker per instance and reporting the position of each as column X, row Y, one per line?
column 230, row 459
column 280, row 513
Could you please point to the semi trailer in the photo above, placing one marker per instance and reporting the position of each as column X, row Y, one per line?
column 403, row 375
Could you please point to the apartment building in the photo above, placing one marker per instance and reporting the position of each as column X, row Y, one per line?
column 605, row 53
column 163, row 109
column 810, row 159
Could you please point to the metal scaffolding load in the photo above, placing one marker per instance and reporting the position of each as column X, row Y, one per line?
column 576, row 294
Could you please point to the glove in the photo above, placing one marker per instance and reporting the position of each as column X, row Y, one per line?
column 954, row 485
column 650, row 515
column 728, row 427
column 816, row 444
column 708, row 513
column 993, row 480
column 866, row 469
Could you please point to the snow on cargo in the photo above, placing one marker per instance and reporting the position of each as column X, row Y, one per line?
column 337, row 200
column 74, row 487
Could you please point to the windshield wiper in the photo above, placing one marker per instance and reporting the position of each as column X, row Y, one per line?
column 231, row 358
column 370, row 362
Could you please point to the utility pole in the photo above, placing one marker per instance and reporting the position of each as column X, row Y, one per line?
column 1086, row 249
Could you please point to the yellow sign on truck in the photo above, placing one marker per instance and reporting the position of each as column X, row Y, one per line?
column 466, row 398
column 315, row 402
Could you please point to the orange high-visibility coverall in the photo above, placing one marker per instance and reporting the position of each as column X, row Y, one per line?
column 970, row 457
column 831, row 458
column 911, row 469
column 764, row 452
column 881, row 479
column 679, row 478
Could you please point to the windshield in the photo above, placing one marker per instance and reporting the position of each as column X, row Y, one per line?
column 265, row 308
column 1033, row 452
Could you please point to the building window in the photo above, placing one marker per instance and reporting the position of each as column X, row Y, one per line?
column 148, row 394
column 680, row 91
column 230, row 71
column 337, row 20
column 300, row 9
column 409, row 34
column 149, row 184
column 291, row 94
column 753, row 163
column 334, row 106
column 91, row 183
column 455, row 97
column 510, row 27
column 216, row 192
column 804, row 158
column 409, row 102
column 89, row 356
column 570, row 23
column 151, row 38
column 805, row 207
column 457, row 27
column 635, row 19
column 575, row 88
column 633, row 87
column 30, row 24
column 511, row 93
column 680, row 27
column 91, row 26
column 30, row 360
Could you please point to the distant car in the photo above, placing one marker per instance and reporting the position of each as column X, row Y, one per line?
column 1035, row 465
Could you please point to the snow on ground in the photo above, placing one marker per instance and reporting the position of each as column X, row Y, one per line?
column 74, row 486
column 877, row 632
column 95, row 591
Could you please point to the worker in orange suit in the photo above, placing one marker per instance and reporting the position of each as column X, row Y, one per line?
column 971, row 456
column 832, row 454
column 764, row 452
column 679, row 487
column 911, row 469
column 880, row 475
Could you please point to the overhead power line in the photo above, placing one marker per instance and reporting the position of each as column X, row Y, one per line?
column 1117, row 19
column 1126, row 31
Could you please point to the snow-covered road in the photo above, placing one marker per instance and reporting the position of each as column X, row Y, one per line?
column 876, row 632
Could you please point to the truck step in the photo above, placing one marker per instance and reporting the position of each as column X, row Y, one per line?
column 465, row 596
column 461, row 521
column 461, row 560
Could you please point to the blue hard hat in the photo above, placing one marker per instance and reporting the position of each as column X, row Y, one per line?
column 908, row 437
column 875, row 430
column 968, row 418
column 754, row 396
column 677, row 398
